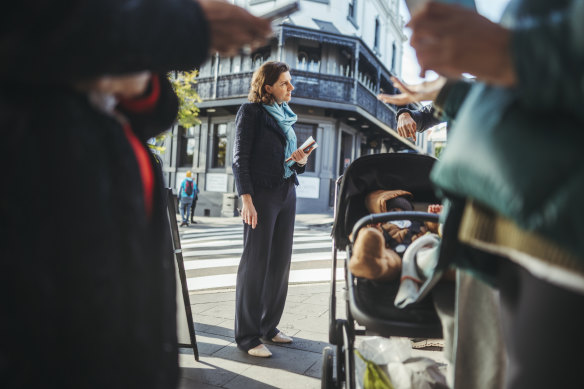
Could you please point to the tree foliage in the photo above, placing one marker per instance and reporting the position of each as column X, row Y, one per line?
column 188, row 112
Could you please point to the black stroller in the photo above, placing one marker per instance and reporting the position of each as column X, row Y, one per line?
column 368, row 303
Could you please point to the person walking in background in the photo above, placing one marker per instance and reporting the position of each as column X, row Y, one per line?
column 95, row 307
column 186, row 195
column 266, row 183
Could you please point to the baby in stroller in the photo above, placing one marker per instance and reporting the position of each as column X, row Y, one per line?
column 378, row 249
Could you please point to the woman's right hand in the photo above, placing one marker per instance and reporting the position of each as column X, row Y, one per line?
column 248, row 211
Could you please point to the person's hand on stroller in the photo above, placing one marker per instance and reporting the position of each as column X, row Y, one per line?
column 248, row 211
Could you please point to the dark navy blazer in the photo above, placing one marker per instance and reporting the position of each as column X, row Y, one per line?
column 258, row 153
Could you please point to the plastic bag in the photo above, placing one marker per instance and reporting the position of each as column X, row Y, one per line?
column 374, row 376
column 378, row 357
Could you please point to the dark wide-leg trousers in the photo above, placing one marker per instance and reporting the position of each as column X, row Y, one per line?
column 542, row 325
column 262, row 277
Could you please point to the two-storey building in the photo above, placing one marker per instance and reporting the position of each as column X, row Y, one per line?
column 342, row 54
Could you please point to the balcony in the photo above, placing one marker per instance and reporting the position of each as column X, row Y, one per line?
column 336, row 82
column 326, row 87
column 228, row 86
column 314, row 86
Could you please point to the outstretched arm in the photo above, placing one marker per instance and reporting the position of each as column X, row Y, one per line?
column 80, row 40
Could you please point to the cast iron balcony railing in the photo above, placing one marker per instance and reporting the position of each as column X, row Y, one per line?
column 335, row 84
column 315, row 86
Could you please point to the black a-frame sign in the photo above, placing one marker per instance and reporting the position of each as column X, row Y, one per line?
column 184, row 317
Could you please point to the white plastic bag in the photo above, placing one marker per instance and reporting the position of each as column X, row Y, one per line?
column 394, row 357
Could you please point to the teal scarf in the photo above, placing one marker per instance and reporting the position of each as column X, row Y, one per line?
column 285, row 118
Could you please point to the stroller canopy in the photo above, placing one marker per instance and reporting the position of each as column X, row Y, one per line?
column 389, row 171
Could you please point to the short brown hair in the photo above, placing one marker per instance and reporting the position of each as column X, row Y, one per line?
column 267, row 74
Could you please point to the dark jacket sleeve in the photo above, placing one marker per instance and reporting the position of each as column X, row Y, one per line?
column 246, row 123
column 58, row 42
column 424, row 117
column 153, row 113
column 298, row 169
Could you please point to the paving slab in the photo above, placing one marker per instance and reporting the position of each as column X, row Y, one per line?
column 202, row 298
column 209, row 344
column 306, row 341
column 210, row 370
column 296, row 365
column 224, row 309
column 200, row 320
column 309, row 323
column 283, row 358
column 305, row 309
column 221, row 328
column 269, row 378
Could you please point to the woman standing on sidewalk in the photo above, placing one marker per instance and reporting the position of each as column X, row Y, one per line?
column 264, row 139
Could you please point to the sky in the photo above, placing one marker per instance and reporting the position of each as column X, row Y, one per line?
column 491, row 9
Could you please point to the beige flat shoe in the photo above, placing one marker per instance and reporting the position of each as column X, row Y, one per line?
column 281, row 338
column 260, row 351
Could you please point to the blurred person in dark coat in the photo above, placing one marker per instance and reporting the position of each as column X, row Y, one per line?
column 513, row 175
column 88, row 292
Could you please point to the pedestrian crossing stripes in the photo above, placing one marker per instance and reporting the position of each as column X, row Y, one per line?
column 211, row 256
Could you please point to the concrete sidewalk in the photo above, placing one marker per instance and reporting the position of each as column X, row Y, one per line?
column 305, row 318
column 223, row 365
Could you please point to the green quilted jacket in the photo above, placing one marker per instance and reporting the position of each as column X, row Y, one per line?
column 519, row 151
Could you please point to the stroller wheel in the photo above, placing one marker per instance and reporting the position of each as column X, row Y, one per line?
column 327, row 381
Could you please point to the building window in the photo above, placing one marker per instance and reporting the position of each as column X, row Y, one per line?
column 186, row 146
column 352, row 5
column 215, row 64
column 314, row 65
column 260, row 56
column 303, row 132
column 393, row 56
column 219, row 145
column 302, row 62
column 352, row 14
column 236, row 64
column 258, row 59
column 376, row 36
column 308, row 59
column 224, row 65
